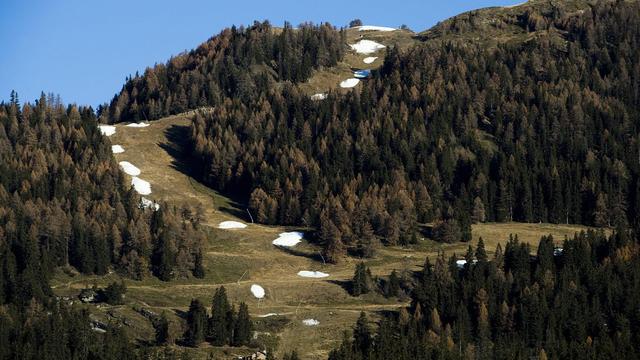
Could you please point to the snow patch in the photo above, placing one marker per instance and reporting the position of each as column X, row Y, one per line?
column 137, row 125
column 349, row 83
column 268, row 315
column 312, row 274
column 117, row 149
column 461, row 263
column 129, row 168
column 375, row 28
column 97, row 329
column 370, row 59
column 146, row 203
column 231, row 225
column 288, row 239
column 107, row 130
column 141, row 186
column 367, row 47
column 311, row 322
column 257, row 291
column 319, row 96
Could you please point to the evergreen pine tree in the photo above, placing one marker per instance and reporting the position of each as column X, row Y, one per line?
column 361, row 280
column 394, row 285
column 198, row 267
column 243, row 328
column 218, row 322
column 362, row 337
column 481, row 253
column 196, row 323
column 161, row 327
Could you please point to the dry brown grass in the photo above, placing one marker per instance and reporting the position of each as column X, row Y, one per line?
column 239, row 258
column 325, row 80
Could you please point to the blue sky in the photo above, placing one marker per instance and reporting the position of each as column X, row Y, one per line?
column 84, row 49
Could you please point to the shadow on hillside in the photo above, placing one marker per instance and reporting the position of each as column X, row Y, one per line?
column 315, row 256
column 181, row 313
column 389, row 314
column 177, row 146
column 177, row 136
column 346, row 285
column 236, row 211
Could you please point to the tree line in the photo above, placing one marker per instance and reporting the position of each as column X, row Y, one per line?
column 448, row 133
column 225, row 326
column 574, row 301
column 237, row 62
column 64, row 201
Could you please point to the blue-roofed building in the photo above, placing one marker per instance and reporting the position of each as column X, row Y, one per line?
column 361, row 74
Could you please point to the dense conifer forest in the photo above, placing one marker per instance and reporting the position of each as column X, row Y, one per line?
column 537, row 128
column 64, row 202
column 575, row 302
column 446, row 133
column 238, row 62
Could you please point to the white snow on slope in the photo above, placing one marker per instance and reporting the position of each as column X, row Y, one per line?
column 146, row 203
column 141, row 186
column 319, row 96
column 375, row 28
column 349, row 83
column 107, row 130
column 311, row 322
column 257, row 291
column 137, row 125
column 312, row 274
column 288, row 239
column 367, row 47
column 370, row 59
column 463, row 262
column 231, row 225
column 117, row 149
column 268, row 315
column 129, row 168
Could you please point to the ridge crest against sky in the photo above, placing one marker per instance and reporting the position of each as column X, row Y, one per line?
column 83, row 50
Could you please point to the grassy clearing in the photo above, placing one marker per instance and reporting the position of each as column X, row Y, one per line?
column 493, row 233
column 325, row 80
column 239, row 258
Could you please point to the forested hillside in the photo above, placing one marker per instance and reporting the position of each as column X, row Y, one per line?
column 63, row 201
column 579, row 303
column 525, row 114
column 541, row 128
column 238, row 62
column 452, row 132
column 544, row 130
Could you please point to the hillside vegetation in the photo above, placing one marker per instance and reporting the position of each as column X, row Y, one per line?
column 502, row 121
column 237, row 62
column 445, row 132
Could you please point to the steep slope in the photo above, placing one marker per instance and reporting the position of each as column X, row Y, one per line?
column 327, row 79
column 237, row 62
column 538, row 126
column 512, row 24
column 447, row 132
column 240, row 258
